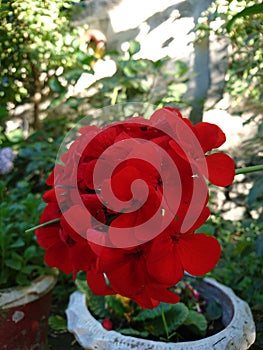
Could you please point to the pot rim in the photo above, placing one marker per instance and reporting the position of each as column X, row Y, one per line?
column 78, row 317
column 19, row 295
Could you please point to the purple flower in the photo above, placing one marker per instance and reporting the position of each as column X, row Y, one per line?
column 6, row 160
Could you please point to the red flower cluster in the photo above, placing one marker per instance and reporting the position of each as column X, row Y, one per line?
column 129, row 197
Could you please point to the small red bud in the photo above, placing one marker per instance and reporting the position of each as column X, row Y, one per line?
column 107, row 324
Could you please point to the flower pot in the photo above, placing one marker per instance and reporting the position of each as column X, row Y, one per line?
column 24, row 315
column 239, row 331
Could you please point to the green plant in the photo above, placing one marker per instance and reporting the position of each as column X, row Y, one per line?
column 241, row 22
column 35, row 155
column 38, row 46
column 193, row 316
column 141, row 80
column 21, row 190
column 21, row 258
column 241, row 262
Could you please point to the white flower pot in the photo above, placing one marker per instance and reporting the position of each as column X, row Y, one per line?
column 238, row 334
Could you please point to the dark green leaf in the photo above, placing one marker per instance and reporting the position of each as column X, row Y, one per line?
column 134, row 332
column 213, row 311
column 256, row 191
column 57, row 323
column 196, row 322
column 56, row 86
column 96, row 303
column 73, row 75
column 22, row 280
column 175, row 315
column 30, row 252
column 259, row 246
column 13, row 264
column 115, row 304
column 18, row 244
column 248, row 11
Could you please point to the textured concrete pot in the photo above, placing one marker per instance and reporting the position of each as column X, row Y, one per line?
column 238, row 334
column 24, row 315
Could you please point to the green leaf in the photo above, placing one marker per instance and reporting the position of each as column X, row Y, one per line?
column 259, row 246
column 115, row 304
column 13, row 264
column 248, row 11
column 58, row 100
column 96, row 303
column 196, row 322
column 57, row 323
column 133, row 332
column 74, row 102
column 30, row 252
column 28, row 269
column 55, row 85
column 73, row 75
column 18, row 244
column 134, row 47
column 175, row 315
column 256, row 191
column 22, row 280
column 213, row 311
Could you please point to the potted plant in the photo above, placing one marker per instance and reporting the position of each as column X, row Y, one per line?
column 125, row 202
column 26, row 283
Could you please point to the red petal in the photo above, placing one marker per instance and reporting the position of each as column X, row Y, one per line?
column 209, row 135
column 82, row 257
column 199, row 253
column 58, row 256
column 48, row 236
column 221, row 169
column 164, row 295
column 76, row 221
column 97, row 283
column 162, row 263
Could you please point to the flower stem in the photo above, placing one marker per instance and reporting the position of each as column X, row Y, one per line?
column 249, row 169
column 43, row 225
column 165, row 325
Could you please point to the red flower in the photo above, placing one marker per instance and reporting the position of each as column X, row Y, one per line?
column 219, row 168
column 128, row 197
column 173, row 253
column 65, row 248
column 126, row 270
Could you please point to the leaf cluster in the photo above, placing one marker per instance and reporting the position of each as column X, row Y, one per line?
column 169, row 322
column 37, row 39
column 138, row 79
column 241, row 22
column 21, row 258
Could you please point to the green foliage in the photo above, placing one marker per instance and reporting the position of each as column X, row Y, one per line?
column 242, row 24
column 248, row 11
column 57, row 323
column 241, row 263
column 36, row 155
column 38, row 44
column 116, row 305
column 196, row 323
column 21, row 258
column 96, row 303
column 134, row 333
column 213, row 311
column 164, row 322
column 152, row 319
column 141, row 80
column 21, row 203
